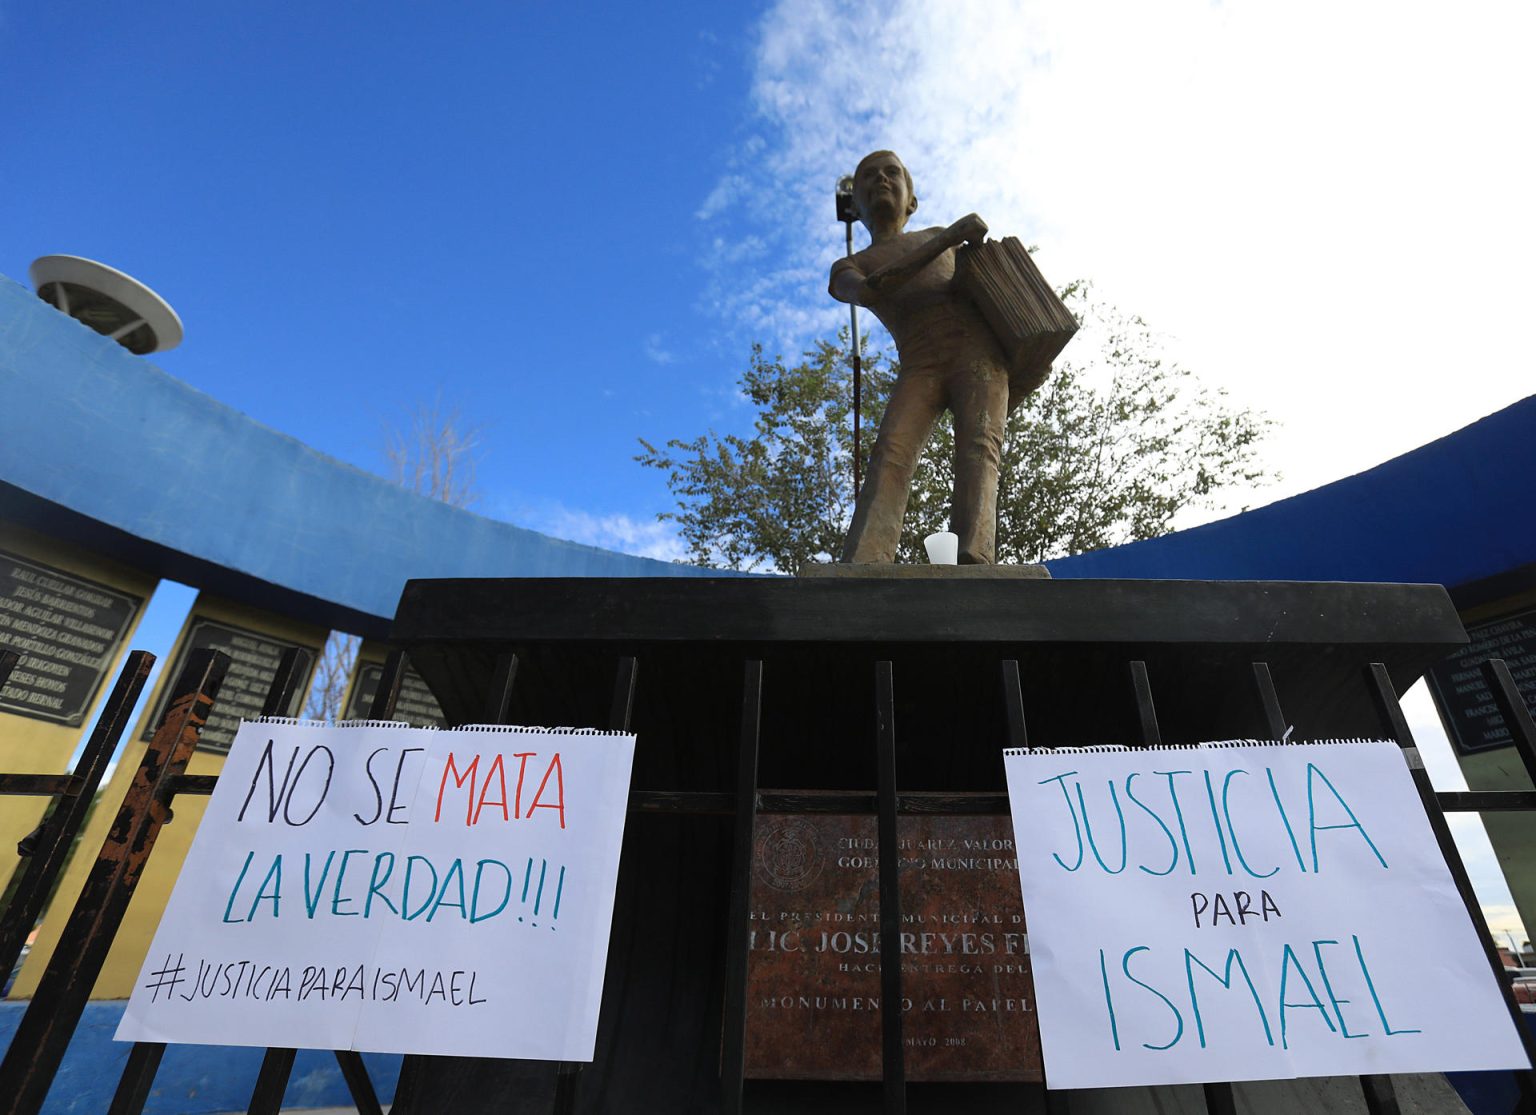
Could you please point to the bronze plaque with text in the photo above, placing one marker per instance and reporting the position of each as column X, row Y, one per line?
column 68, row 630
column 256, row 657
column 813, row 983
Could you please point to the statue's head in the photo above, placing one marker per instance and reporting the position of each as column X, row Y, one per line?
column 882, row 189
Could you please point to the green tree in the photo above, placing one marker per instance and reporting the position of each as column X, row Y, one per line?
column 782, row 497
column 1115, row 444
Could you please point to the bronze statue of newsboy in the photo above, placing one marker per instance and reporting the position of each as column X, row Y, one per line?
column 950, row 358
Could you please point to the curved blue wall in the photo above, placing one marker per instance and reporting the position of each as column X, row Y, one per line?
column 91, row 429
column 103, row 447
column 1454, row 511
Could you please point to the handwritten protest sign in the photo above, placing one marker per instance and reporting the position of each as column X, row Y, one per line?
column 1245, row 912
column 388, row 889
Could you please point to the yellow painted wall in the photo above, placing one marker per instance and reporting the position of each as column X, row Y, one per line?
column 154, row 888
column 32, row 746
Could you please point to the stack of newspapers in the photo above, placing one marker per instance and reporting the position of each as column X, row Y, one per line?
column 1030, row 321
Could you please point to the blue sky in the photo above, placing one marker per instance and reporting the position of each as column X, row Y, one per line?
column 571, row 221
column 355, row 208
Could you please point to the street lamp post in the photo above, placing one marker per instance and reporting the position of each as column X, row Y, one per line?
column 848, row 214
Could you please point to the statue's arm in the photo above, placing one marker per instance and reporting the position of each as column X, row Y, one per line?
column 968, row 228
column 847, row 283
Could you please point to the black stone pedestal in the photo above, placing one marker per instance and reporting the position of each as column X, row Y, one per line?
column 659, row 1044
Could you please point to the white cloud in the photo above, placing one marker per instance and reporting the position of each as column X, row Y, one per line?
column 706, row 59
column 727, row 192
column 615, row 531
column 1326, row 205
column 656, row 350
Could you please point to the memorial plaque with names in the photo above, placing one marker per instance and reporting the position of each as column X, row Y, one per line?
column 416, row 705
column 813, row 984
column 255, row 661
column 67, row 629
column 1466, row 702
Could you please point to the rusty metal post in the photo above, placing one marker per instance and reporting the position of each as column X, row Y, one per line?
column 144, row 1058
column 37, row 1049
column 49, row 844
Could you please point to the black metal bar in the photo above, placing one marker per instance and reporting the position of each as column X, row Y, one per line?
column 568, row 1073
column 1395, row 724
column 1379, row 1092
column 1057, row 1101
column 388, row 692
column 8, row 661
column 201, row 784
column 719, row 803
column 272, row 1082
column 1380, row 1095
column 40, row 785
column 498, row 701
column 567, row 1076
column 623, row 695
column 47, row 846
column 138, row 1076
column 37, row 1049
column 1013, row 707
column 893, row 1066
column 1269, row 701
column 1517, row 718
column 383, row 708
column 503, row 677
column 1151, row 735
column 1486, row 801
column 292, row 672
column 733, row 1069
column 358, row 1082
column 1219, row 1099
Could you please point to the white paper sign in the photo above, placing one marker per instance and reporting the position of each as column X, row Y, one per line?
column 388, row 889
column 1245, row 912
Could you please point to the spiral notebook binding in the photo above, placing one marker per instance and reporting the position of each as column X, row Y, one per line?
column 297, row 722
column 1336, row 742
column 303, row 722
column 534, row 728
column 1212, row 745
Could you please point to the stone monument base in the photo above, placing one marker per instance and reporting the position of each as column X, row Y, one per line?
column 890, row 570
column 673, row 659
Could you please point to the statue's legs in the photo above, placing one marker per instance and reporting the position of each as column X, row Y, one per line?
column 915, row 402
column 978, row 398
